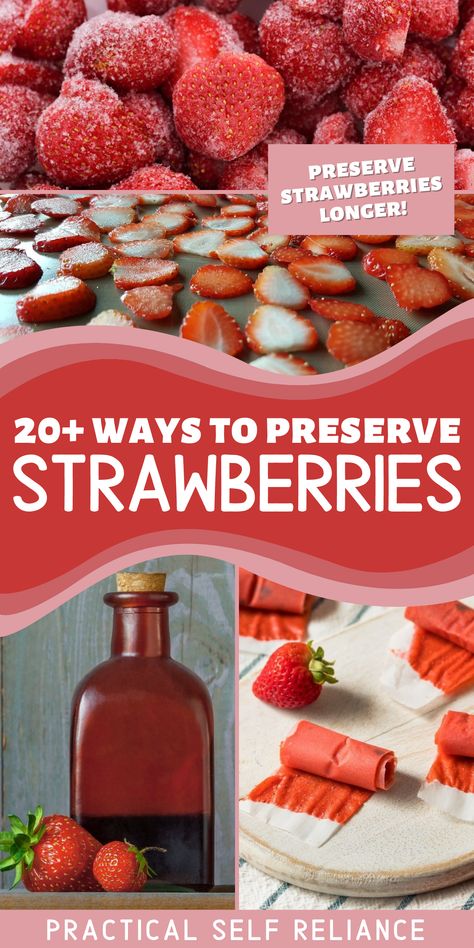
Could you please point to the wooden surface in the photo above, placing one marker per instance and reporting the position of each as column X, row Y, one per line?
column 108, row 901
column 41, row 665
column 396, row 844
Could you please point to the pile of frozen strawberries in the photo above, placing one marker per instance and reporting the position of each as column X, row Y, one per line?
column 291, row 287
column 155, row 94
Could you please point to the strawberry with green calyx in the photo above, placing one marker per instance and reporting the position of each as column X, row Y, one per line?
column 49, row 853
column 122, row 867
column 294, row 676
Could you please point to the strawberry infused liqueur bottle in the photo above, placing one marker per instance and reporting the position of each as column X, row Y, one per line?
column 142, row 741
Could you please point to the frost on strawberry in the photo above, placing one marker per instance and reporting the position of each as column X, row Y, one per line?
column 375, row 29
column 412, row 113
column 434, row 19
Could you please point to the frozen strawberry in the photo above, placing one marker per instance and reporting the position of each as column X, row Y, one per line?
column 286, row 255
column 269, row 242
column 394, row 330
column 225, row 106
column 412, row 113
column 200, row 36
column 368, row 86
column 277, row 285
column 122, row 867
column 377, row 30
column 86, row 261
column 35, row 181
column 69, row 233
column 12, row 13
column 157, row 247
column 231, row 227
column 221, row 6
column 9, row 243
column 462, row 62
column 20, row 109
column 273, row 328
column 89, row 137
column 456, row 269
column 248, row 171
column 18, row 270
column 308, row 51
column 353, row 342
column 422, row 245
column 336, row 129
column 200, row 243
column 48, row 27
column 294, row 675
column 205, row 171
column 153, row 112
column 155, row 176
column 151, row 302
column 283, row 364
column 143, row 272
column 220, row 282
column 107, row 218
column 23, row 225
column 466, row 11
column 464, row 114
column 323, row 274
column 20, row 203
column 376, row 261
column 130, row 233
column 40, row 76
column 342, row 310
column 56, row 207
column 242, row 253
column 330, row 8
column 210, row 324
column 416, row 288
column 55, row 300
column 303, row 113
column 344, row 248
column 434, row 19
column 123, row 50
column 146, row 7
column 464, row 169
column 246, row 29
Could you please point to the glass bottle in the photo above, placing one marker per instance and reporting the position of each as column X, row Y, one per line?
column 142, row 741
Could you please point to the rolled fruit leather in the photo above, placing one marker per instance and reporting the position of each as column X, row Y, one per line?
column 326, row 753
column 270, row 611
column 449, row 783
column 142, row 741
column 453, row 621
column 455, row 734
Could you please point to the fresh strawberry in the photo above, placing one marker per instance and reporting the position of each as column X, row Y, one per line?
column 20, row 109
column 412, row 113
column 89, row 137
column 416, row 288
column 55, row 300
column 151, row 302
column 368, row 86
column 283, row 364
column 336, row 129
column 277, row 285
column 40, row 76
column 56, row 207
column 108, row 218
column 309, row 52
column 246, row 29
column 353, row 342
column 143, row 272
column 23, row 225
column 242, row 253
column 376, row 261
column 323, row 274
column 220, row 282
column 223, row 107
column 50, row 854
column 422, row 245
column 273, row 328
column 456, row 269
column 294, row 675
column 48, row 27
column 155, row 114
column 18, row 270
column 69, row 233
column 123, row 50
column 122, row 867
column 200, row 36
column 86, row 261
column 341, row 310
column 210, row 324
column 344, row 248
column 157, row 247
column 377, row 30
column 434, row 19
column 155, row 176
column 394, row 330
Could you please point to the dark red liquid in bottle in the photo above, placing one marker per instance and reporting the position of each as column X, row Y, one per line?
column 142, row 746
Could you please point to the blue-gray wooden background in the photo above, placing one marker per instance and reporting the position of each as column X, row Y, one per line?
column 41, row 665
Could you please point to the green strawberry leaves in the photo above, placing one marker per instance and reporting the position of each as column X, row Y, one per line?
column 20, row 841
column 142, row 861
column 320, row 667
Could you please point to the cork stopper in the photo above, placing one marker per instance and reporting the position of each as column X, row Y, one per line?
column 141, row 582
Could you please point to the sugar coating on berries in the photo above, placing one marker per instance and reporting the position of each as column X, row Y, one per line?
column 20, row 109
column 375, row 29
column 48, row 27
column 40, row 76
column 434, row 19
column 412, row 113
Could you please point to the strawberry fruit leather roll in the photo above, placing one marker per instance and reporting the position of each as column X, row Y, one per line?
column 255, row 592
column 326, row 753
column 455, row 735
column 453, row 621
column 449, row 784
column 270, row 611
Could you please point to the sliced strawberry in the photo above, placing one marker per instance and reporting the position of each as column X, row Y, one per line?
column 12, row 332
column 18, row 270
column 283, row 364
column 143, row 272
column 172, row 223
column 56, row 207
column 210, row 324
column 20, row 203
column 69, row 233
column 277, row 285
column 239, row 210
column 323, row 274
column 344, row 248
column 352, row 342
column 200, row 243
column 22, row 225
column 457, row 270
column 278, row 329
column 151, row 302
column 155, row 247
column 141, row 231
column 86, row 261
column 205, row 200
column 394, row 330
column 376, row 261
column 115, row 200
column 220, row 282
column 9, row 243
column 108, row 218
column 416, row 288
column 111, row 317
column 423, row 245
column 269, row 242
column 243, row 253
column 373, row 238
column 233, row 226
column 342, row 310
column 181, row 206
column 55, row 300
